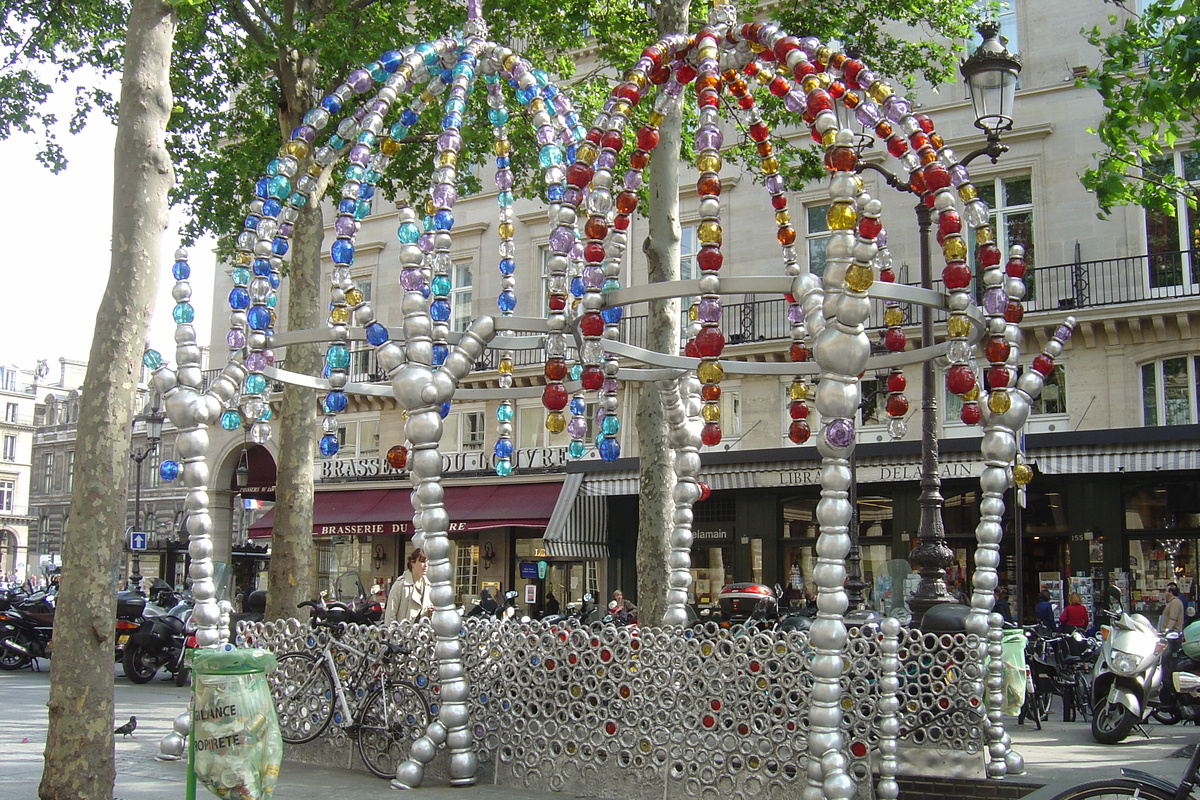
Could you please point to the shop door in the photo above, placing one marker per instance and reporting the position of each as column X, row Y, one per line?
column 567, row 581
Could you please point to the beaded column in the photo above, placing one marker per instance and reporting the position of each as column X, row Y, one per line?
column 681, row 409
column 887, row 707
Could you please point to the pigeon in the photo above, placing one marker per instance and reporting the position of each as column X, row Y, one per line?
column 128, row 728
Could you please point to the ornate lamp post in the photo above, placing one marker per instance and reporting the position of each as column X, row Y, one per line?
column 153, row 416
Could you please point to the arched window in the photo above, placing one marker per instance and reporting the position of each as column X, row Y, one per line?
column 1169, row 391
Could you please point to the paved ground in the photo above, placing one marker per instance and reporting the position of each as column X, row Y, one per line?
column 1060, row 755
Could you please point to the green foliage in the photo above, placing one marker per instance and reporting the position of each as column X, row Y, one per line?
column 1149, row 81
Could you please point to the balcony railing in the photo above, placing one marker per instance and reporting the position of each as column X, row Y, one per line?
column 1062, row 287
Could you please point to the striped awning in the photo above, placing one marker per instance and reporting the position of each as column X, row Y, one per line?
column 1117, row 457
column 578, row 526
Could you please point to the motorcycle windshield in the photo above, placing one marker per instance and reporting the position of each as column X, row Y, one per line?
column 348, row 588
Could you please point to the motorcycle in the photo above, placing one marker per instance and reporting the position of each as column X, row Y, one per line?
column 158, row 642
column 584, row 612
column 24, row 636
column 1127, row 677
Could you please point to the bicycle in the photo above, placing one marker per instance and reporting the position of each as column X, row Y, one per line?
column 1134, row 783
column 309, row 694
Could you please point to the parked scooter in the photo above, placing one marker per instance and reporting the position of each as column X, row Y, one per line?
column 1127, row 677
column 24, row 636
column 158, row 642
column 584, row 612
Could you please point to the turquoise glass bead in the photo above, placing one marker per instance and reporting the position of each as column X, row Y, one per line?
column 255, row 383
column 231, row 420
column 576, row 449
column 503, row 467
column 183, row 313
column 408, row 233
column 152, row 359
column 337, row 356
column 504, row 412
column 610, row 426
column 440, row 285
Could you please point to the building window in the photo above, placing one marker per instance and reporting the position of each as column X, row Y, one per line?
column 461, row 295
column 1052, row 400
column 1171, row 239
column 872, row 406
column 358, row 438
column 473, row 432
column 7, row 490
column 48, row 473
column 10, row 412
column 816, row 236
column 731, row 414
column 363, row 284
column 10, row 447
column 466, row 570
column 531, row 425
column 8, row 381
column 70, row 470
column 1169, row 391
column 152, row 465
column 1010, row 200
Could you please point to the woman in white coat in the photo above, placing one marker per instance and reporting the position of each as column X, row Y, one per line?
column 409, row 598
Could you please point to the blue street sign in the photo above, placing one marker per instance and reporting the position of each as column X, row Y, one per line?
column 137, row 540
column 528, row 569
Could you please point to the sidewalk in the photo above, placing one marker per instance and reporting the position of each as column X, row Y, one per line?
column 1058, row 756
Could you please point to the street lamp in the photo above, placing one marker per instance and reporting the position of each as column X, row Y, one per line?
column 991, row 75
column 153, row 416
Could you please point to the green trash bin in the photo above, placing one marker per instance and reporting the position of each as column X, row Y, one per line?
column 235, row 747
column 1013, row 656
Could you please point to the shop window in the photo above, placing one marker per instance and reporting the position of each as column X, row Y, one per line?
column 1155, row 562
column 466, row 570
column 1169, row 391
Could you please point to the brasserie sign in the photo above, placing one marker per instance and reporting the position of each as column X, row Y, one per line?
column 527, row 460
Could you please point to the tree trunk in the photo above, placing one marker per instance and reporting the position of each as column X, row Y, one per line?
column 291, row 575
column 655, row 461
column 79, row 760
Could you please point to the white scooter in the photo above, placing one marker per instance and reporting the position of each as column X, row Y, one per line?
column 1127, row 677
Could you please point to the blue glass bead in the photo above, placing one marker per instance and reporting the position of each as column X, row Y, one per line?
column 231, row 420
column 335, row 402
column 502, row 162
column 456, row 105
column 366, row 191
column 331, row 104
column 443, row 220
column 444, row 409
column 503, row 467
column 329, row 445
column 325, row 371
column 362, row 209
column 612, row 315
column 279, row 246
column 239, row 298
column 183, row 313
column 571, row 153
column 576, row 371
column 577, row 286
column 240, row 275
column 576, row 449
column 279, row 186
column 578, row 407
column 610, row 450
column 497, row 116
column 445, row 76
column 549, row 91
column 337, row 356
column 554, row 192
column 503, row 448
column 355, row 172
column 507, row 266
column 258, row 318
column 440, row 351
column 504, row 412
column 390, row 60
column 272, row 207
column 610, row 426
column 260, row 188
column 408, row 118
column 266, row 414
column 168, row 470
column 346, row 205
column 251, row 222
column 181, row 271
column 152, row 359
column 262, row 267
column 526, row 94
column 376, row 334
column 439, row 310
column 506, row 301
column 452, row 120
column 342, row 251
column 440, row 285
column 425, row 290
column 408, row 233
column 298, row 199
column 273, row 279
column 255, row 383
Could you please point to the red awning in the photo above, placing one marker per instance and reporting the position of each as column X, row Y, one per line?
column 385, row 512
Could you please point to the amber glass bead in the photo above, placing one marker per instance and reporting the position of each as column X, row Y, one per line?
column 958, row 326
column 859, row 278
column 954, row 248
column 710, row 393
column 841, row 216
column 1022, row 474
column 397, row 457
column 798, row 432
column 711, row 412
column 842, row 159
column 709, row 232
column 999, row 402
column 782, row 217
column 798, row 352
column 708, row 162
column 389, row 146
column 339, row 315
column 710, row 372
column 798, row 390
column 893, row 316
column 786, row 236
column 555, row 422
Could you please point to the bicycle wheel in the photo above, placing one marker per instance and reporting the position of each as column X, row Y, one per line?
column 1113, row 790
column 390, row 720
column 1031, row 709
column 303, row 694
column 1083, row 698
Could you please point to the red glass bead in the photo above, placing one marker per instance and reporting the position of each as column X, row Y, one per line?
column 925, row 122
column 784, row 46
column 956, row 275
column 798, row 432
column 710, row 434
column 896, row 382
column 579, row 174
column 710, row 341
column 916, row 183
column 397, row 457
column 626, row 202
column 705, row 492
column 798, row 409
column 883, row 129
column 591, row 324
column 708, row 721
column 949, row 222
column 803, row 69
column 592, row 378
column 928, row 199
column 1015, row 268
column 841, row 159
column 936, row 177
column 897, row 146
column 685, row 74
column 708, row 185
column 610, row 728
column 653, row 54
column 988, row 255
column 710, row 392
column 759, row 132
column 894, row 340
column 887, row 276
column 788, row 297
column 660, row 75
column 998, row 377
column 836, row 90
column 554, row 397
column 593, row 252
column 621, row 222
column 595, row 228
column 745, row 102
column 1043, row 364
column 996, row 350
column 971, row 413
column 918, row 140
column 690, row 349
column 709, row 258
column 555, row 369
column 778, row 202
column 779, row 86
column 647, row 137
column 798, row 352
column 708, row 99
column 858, row 750
column 612, row 140
column 557, row 302
column 869, row 227
column 1014, row 313
column 960, row 379
column 639, row 159
column 594, row 135
column 627, row 91
column 819, row 101
column 850, row 70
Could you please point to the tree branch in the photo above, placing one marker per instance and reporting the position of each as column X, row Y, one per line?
column 247, row 23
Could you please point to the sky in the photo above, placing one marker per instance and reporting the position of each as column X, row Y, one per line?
column 56, row 232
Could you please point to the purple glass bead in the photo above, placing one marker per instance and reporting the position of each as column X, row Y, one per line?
column 809, row 45
column 1063, row 332
column 866, row 77
column 562, row 105
column 593, row 277
column 599, row 415
column 255, row 362
column 306, row 132
column 995, row 300
column 896, row 107
column 709, row 310
column 544, row 134
column 410, row 279
column 504, row 180
column 881, row 238
column 609, row 386
column 425, row 242
column 445, row 195
column 958, row 175
column 577, row 428
column 577, row 250
column 360, row 113
column 795, row 314
column 868, row 114
column 674, row 88
column 285, row 229
column 708, row 138
column 379, row 107
column 794, row 101
column 839, row 432
column 518, row 70
column 359, row 81
column 608, row 105
column 269, row 357
column 236, row 338
column 345, row 226
column 632, row 180
column 474, row 9
column 449, row 140
column 359, row 154
column 572, row 196
column 606, row 160
column 775, row 184
column 561, row 239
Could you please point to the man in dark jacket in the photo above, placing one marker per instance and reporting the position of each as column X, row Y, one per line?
column 1044, row 611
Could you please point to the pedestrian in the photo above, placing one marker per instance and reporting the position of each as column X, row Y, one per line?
column 552, row 606
column 623, row 604
column 409, row 599
column 1044, row 611
column 1001, row 605
column 1074, row 617
column 1172, row 613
